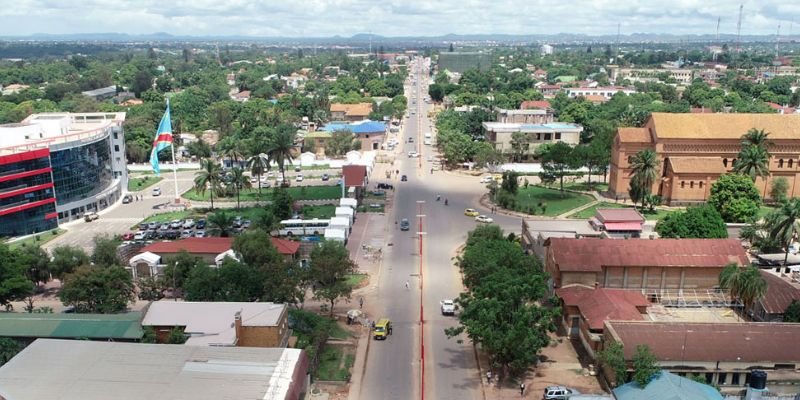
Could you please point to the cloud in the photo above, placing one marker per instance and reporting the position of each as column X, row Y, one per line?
column 392, row 17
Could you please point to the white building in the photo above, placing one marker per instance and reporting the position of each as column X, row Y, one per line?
column 546, row 49
column 603, row 91
column 499, row 134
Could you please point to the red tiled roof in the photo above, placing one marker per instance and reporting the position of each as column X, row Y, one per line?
column 600, row 305
column 623, row 226
column 591, row 255
column 285, row 247
column 354, row 175
column 534, row 104
column 206, row 245
column 618, row 215
column 780, row 293
column 750, row 342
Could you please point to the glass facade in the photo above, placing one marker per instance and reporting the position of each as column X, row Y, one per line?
column 82, row 171
column 28, row 221
column 26, row 195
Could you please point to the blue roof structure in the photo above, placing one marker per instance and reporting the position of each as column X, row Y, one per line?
column 356, row 127
column 667, row 386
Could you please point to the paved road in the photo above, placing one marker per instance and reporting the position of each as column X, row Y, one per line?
column 393, row 370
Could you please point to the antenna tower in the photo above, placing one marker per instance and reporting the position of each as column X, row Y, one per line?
column 739, row 30
column 618, row 30
column 778, row 42
column 714, row 55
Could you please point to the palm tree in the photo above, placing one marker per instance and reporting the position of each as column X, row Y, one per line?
column 744, row 283
column 752, row 161
column 644, row 172
column 281, row 146
column 220, row 224
column 238, row 181
column 757, row 138
column 785, row 224
column 258, row 165
column 209, row 177
column 230, row 148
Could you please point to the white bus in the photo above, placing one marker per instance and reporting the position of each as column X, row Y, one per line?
column 303, row 227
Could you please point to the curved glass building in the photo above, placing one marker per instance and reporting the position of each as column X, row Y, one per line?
column 56, row 167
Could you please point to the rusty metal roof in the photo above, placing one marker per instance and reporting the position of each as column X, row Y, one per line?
column 780, row 293
column 599, row 305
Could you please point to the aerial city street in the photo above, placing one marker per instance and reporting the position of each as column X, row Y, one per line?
column 384, row 201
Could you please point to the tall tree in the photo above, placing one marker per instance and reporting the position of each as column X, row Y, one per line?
column 644, row 172
column 239, row 181
column 744, row 283
column 66, row 259
column 258, row 165
column 735, row 197
column 645, row 366
column 281, row 147
column 329, row 268
column 220, row 224
column 703, row 222
column 559, row 159
column 9, row 348
column 786, row 224
column 105, row 252
column 14, row 285
column 208, row 178
column 613, row 357
column 98, row 290
column 752, row 161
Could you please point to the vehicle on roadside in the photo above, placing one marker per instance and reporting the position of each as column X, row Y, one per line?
column 404, row 224
column 413, row 154
column 297, row 168
column 470, row 212
column 186, row 234
column 427, row 142
column 188, row 224
column 410, row 139
column 176, row 224
column 303, row 227
column 157, row 191
column 448, row 307
column 127, row 199
column 200, row 233
column 91, row 217
column 403, row 178
column 200, row 224
column 172, row 234
column 483, row 219
column 143, row 226
column 487, row 179
column 326, row 177
column 127, row 236
column 153, row 226
column 299, row 178
column 164, row 227
column 139, row 236
column 558, row 393
column 383, row 328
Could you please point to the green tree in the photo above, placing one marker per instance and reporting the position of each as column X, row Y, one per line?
column 149, row 335
column 281, row 147
column 703, row 222
column 176, row 336
column 14, row 285
column 519, row 146
column 510, row 182
column 98, row 290
column 36, row 263
column 105, row 252
column 558, row 159
column 644, row 172
column 784, row 224
column 341, row 142
column 645, row 366
column 744, row 283
column 752, row 161
column 178, row 268
column 792, row 313
column 330, row 265
column 258, row 165
column 220, row 224
column 613, row 358
column 282, row 203
column 208, row 178
column 239, row 181
column 9, row 348
column 66, row 259
column 780, row 187
column 735, row 197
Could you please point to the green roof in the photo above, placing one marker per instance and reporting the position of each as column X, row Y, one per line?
column 566, row 78
column 71, row 326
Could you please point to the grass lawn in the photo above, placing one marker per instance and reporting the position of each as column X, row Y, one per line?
column 532, row 199
column 169, row 216
column 335, row 363
column 380, row 209
column 589, row 212
column 584, row 187
column 356, row 279
column 38, row 239
column 764, row 210
column 297, row 193
column 142, row 182
column 657, row 214
column 324, row 211
column 337, row 332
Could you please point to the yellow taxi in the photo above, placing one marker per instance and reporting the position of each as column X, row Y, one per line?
column 471, row 212
column 382, row 330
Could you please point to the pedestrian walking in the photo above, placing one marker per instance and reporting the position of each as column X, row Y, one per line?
column 489, row 377
column 522, row 389
column 361, row 303
column 406, row 284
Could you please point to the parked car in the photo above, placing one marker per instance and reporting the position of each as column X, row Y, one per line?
column 299, row 178
column 297, row 168
column 188, row 224
column 200, row 233
column 139, row 236
column 483, row 219
column 127, row 199
column 186, row 234
column 448, row 307
column 325, row 177
column 164, row 227
column 558, row 393
column 157, row 191
column 172, row 235
column 404, row 224
column 90, row 217
column 176, row 224
column 152, row 226
column 143, row 226
column 127, row 236
column 413, row 154
column 246, row 223
column 200, row 224
column 403, row 178
column 470, row 212
column 487, row 179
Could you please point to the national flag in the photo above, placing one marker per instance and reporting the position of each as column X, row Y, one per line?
column 163, row 139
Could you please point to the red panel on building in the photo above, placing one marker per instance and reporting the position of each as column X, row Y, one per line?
column 51, row 215
column 25, row 190
column 29, row 155
column 26, row 174
column 23, row 207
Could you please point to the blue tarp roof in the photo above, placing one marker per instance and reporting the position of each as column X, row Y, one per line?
column 667, row 386
column 358, row 127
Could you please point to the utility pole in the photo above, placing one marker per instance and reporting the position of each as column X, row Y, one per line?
column 778, row 42
column 714, row 56
column 618, row 31
column 739, row 30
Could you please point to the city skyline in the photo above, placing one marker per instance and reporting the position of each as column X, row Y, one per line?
column 394, row 18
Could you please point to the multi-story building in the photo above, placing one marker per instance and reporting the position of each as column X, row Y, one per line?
column 680, row 75
column 606, row 92
column 499, row 134
column 695, row 149
column 532, row 116
column 350, row 112
column 57, row 167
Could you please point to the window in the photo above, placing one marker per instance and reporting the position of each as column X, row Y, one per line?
column 725, row 162
column 735, row 379
column 780, row 163
column 790, row 163
column 723, row 378
column 683, row 184
column 548, row 136
column 691, row 185
column 116, row 147
column 558, row 135
column 701, row 184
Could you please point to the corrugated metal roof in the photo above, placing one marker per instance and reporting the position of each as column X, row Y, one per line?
column 780, row 293
column 599, row 305
column 69, row 326
column 667, row 386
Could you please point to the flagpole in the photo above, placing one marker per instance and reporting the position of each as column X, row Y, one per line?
column 175, row 172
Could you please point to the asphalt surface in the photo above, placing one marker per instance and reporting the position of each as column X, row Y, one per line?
column 393, row 369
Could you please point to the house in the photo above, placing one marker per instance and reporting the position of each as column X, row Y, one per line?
column 618, row 221
column 667, row 386
column 584, row 311
column 370, row 133
column 655, row 266
column 535, row 105
column 355, row 176
column 781, row 292
column 725, row 354
column 221, row 323
column 500, row 134
column 28, row 327
column 350, row 112
column 526, row 116
column 605, row 93
column 101, row 93
column 81, row 370
column 241, row 97
column 13, row 88
column 693, row 150
column 540, row 74
column 132, row 102
column 547, row 90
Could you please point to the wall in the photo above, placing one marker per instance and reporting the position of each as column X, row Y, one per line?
column 263, row 336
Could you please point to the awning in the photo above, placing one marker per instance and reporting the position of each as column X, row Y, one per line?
column 623, row 226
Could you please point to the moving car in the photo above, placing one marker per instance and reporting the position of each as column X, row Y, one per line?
column 404, row 225
column 90, row 217
column 470, row 212
column 448, row 307
column 299, row 178
column 127, row 199
column 157, row 191
column 325, row 177
column 487, row 179
column 483, row 219
column 403, row 178
column 558, row 393
column 410, row 139
column 427, row 142
column 382, row 329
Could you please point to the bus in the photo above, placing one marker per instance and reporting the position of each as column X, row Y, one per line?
column 303, row 227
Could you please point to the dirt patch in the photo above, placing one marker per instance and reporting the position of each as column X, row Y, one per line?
column 562, row 366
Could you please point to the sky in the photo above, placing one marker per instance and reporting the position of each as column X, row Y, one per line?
column 323, row 18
